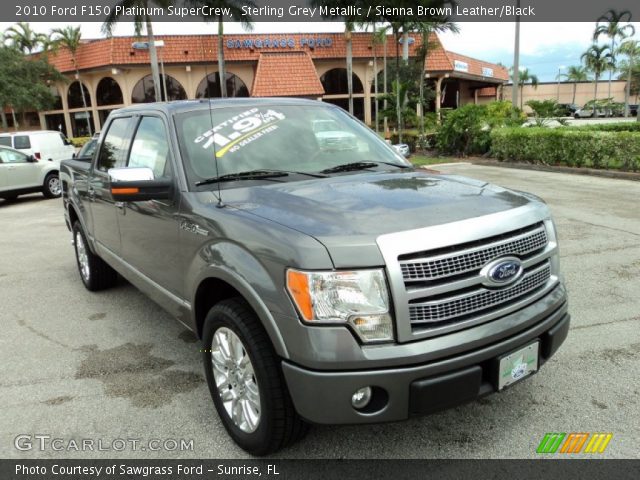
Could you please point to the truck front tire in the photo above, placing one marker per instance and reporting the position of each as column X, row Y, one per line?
column 246, row 382
column 94, row 272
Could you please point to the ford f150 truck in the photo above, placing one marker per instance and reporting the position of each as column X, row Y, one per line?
column 327, row 284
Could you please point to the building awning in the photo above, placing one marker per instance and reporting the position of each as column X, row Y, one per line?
column 290, row 74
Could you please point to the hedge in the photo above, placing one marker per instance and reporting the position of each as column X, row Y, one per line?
column 609, row 127
column 79, row 142
column 570, row 147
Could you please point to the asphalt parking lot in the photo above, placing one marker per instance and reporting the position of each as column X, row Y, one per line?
column 112, row 365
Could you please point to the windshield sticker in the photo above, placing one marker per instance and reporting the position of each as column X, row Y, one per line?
column 240, row 130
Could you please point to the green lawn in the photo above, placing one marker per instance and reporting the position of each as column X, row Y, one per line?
column 420, row 160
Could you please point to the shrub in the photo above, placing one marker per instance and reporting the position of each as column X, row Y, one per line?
column 567, row 146
column 467, row 130
column 79, row 142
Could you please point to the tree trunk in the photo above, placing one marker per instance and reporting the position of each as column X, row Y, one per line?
column 613, row 43
column 398, row 111
column 3, row 117
column 575, row 86
column 425, row 39
column 84, row 101
column 521, row 94
column 385, row 125
column 153, row 55
column 15, row 120
column 595, row 97
column 222, row 73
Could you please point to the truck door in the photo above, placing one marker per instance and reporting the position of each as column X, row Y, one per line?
column 112, row 154
column 149, row 230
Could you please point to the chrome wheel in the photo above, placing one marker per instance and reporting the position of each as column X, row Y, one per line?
column 54, row 186
column 235, row 379
column 83, row 257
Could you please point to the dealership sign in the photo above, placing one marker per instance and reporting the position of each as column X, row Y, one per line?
column 460, row 66
column 279, row 42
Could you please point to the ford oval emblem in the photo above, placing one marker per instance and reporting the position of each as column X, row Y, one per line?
column 501, row 272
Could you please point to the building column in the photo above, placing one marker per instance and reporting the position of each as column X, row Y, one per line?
column 64, row 91
column 475, row 96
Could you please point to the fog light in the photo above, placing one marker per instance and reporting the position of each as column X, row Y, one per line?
column 361, row 398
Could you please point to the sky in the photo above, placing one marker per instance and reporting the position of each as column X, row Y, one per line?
column 544, row 47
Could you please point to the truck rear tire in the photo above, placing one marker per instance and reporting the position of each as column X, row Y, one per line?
column 246, row 381
column 51, row 187
column 94, row 272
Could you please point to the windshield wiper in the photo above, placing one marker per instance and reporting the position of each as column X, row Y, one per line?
column 360, row 166
column 255, row 175
column 248, row 175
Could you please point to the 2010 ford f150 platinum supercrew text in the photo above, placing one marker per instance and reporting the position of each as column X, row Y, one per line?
column 328, row 280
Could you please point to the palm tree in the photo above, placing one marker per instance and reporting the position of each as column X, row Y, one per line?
column 596, row 60
column 426, row 28
column 236, row 14
column 575, row 74
column 139, row 20
column 631, row 49
column 613, row 25
column 525, row 76
column 70, row 38
column 22, row 37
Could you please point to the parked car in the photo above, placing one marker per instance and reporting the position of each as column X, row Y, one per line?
column 402, row 149
column 326, row 286
column 21, row 174
column 42, row 144
column 567, row 109
column 633, row 110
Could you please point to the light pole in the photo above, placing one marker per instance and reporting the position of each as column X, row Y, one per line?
column 156, row 44
column 516, row 62
column 560, row 68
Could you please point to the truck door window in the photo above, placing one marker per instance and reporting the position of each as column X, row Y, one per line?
column 150, row 147
column 114, row 148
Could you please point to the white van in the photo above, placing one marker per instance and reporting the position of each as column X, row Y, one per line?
column 42, row 144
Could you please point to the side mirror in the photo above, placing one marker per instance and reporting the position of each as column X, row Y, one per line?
column 31, row 159
column 137, row 184
column 73, row 155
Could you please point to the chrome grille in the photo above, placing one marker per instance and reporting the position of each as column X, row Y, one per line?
column 480, row 299
column 474, row 258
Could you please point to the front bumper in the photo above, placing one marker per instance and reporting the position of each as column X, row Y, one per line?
column 325, row 397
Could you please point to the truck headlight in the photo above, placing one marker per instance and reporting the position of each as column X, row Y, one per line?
column 359, row 298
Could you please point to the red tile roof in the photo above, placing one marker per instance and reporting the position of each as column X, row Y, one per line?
column 187, row 49
column 476, row 66
column 286, row 74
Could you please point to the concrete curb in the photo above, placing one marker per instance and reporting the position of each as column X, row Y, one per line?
column 559, row 169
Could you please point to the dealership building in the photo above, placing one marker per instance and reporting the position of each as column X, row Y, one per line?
column 115, row 72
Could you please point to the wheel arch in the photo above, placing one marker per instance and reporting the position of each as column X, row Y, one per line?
column 221, row 284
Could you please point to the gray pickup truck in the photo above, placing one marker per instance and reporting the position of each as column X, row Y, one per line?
column 328, row 280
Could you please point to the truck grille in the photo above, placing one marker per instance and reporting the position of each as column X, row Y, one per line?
column 478, row 300
column 472, row 257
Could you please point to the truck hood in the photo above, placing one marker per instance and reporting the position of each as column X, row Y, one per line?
column 347, row 213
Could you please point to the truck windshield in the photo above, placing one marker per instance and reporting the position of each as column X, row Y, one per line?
column 296, row 138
